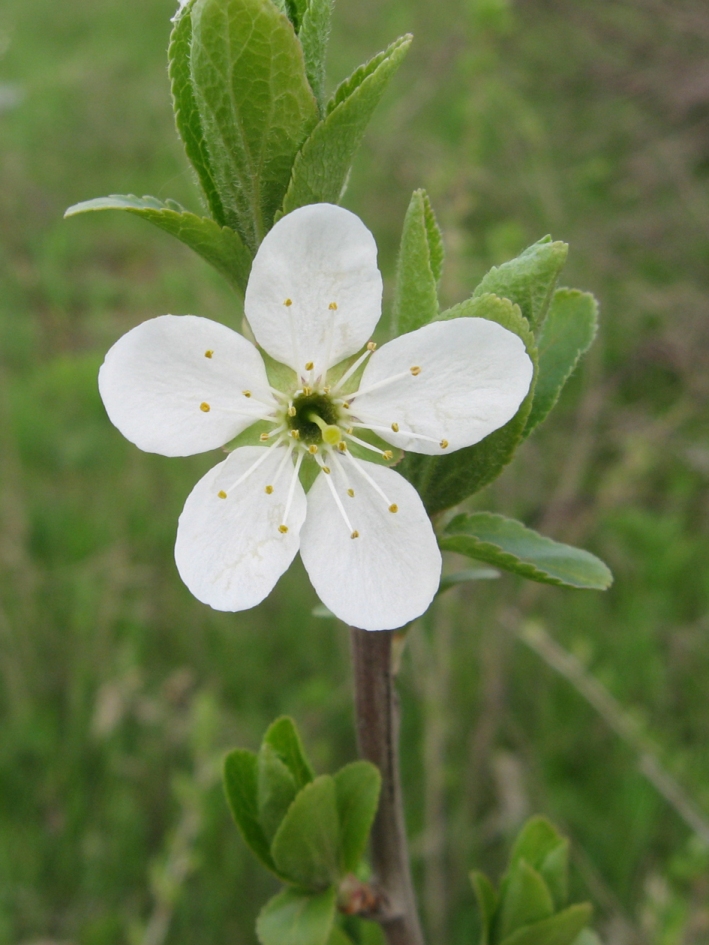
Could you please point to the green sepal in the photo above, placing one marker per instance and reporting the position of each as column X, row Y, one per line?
column 487, row 904
column 283, row 737
column 279, row 375
column 510, row 545
column 276, row 790
column 314, row 34
column 463, row 577
column 219, row 245
column 187, row 119
column 444, row 481
column 306, row 846
column 241, row 788
column 529, row 280
column 357, row 788
column 524, row 899
column 419, row 267
column 251, row 436
column 294, row 917
column 561, row 929
column 323, row 163
column 255, row 105
column 567, row 333
column 544, row 848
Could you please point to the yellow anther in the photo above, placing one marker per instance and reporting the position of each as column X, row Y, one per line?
column 349, row 429
column 346, row 406
column 394, row 507
column 288, row 303
column 312, row 449
column 205, row 408
column 326, row 390
column 342, row 446
column 350, row 493
column 307, row 391
column 282, row 529
column 268, row 490
column 264, row 437
column 444, row 444
column 355, row 534
column 333, row 306
column 208, row 354
column 326, row 470
column 295, row 434
column 291, row 411
column 415, row 370
column 387, row 454
column 309, row 366
column 221, row 494
column 371, row 346
column 395, row 427
column 246, row 393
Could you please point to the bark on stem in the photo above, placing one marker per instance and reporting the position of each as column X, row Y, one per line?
column 377, row 712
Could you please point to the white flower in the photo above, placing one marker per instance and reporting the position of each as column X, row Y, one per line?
column 183, row 385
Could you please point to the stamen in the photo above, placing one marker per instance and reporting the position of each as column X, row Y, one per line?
column 351, row 370
column 414, row 436
column 393, row 507
column 208, row 354
column 288, row 454
column 309, row 366
column 268, row 490
column 395, row 427
column 351, row 493
column 443, row 444
column 340, row 506
column 291, row 490
column 342, row 472
column 415, row 370
column 288, row 303
column 355, row 534
column 380, row 384
column 246, row 393
column 333, row 306
column 295, row 434
column 312, row 449
column 204, row 407
column 291, row 411
column 252, row 468
column 387, row 454
column 221, row 494
column 377, row 488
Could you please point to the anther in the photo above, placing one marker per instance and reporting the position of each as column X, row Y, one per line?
column 333, row 306
column 342, row 446
column 282, row 529
column 295, row 434
column 246, row 393
column 355, row 534
column 307, row 391
column 268, row 490
column 291, row 411
column 208, row 354
column 264, row 437
column 312, row 449
column 371, row 346
column 415, row 370
column 444, row 444
column 288, row 303
column 221, row 494
column 395, row 427
column 205, row 408
column 394, row 507
column 387, row 454
column 309, row 366
column 350, row 493
column 326, row 470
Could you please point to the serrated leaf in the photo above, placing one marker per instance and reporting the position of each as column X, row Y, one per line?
column 487, row 903
column 313, row 36
column 561, row 929
column 418, row 267
column 444, row 481
column 567, row 333
column 283, row 737
column 187, row 119
column 297, row 918
column 357, row 788
column 544, row 848
column 462, row 577
column 524, row 899
column 306, row 847
column 508, row 544
column 276, row 790
column 255, row 105
column 241, row 788
column 321, row 168
column 220, row 246
column 529, row 280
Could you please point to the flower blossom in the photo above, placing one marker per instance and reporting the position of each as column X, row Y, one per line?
column 179, row 385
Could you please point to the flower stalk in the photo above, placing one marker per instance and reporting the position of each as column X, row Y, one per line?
column 377, row 722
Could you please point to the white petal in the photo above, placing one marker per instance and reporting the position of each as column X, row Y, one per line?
column 473, row 376
column 315, row 258
column 230, row 552
column 389, row 574
column 175, row 385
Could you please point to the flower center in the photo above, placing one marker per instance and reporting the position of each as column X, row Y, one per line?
column 315, row 418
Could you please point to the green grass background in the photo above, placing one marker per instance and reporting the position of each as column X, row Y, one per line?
column 119, row 693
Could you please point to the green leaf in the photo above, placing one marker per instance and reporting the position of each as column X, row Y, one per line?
column 561, row 929
column 487, row 903
column 357, row 787
column 418, row 268
column 220, row 246
column 444, row 481
column 524, row 899
column 276, row 790
column 255, row 105
column 241, row 787
column 306, row 847
column 296, row 11
column 297, row 918
column 587, row 937
column 529, row 280
column 508, row 544
column 566, row 335
column 314, row 34
column 283, row 737
column 544, row 848
column 324, row 161
column 187, row 119
column 462, row 577
column 338, row 937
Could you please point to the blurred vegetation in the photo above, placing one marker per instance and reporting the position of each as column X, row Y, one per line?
column 120, row 693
